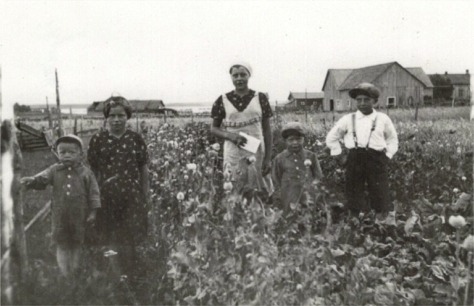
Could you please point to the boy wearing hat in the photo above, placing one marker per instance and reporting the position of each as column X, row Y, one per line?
column 74, row 202
column 372, row 141
column 294, row 166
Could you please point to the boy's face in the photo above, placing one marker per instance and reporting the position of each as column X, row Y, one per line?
column 294, row 143
column 69, row 153
column 365, row 104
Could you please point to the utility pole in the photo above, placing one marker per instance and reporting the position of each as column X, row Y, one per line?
column 58, row 104
column 305, row 106
column 276, row 111
column 48, row 111
column 136, row 114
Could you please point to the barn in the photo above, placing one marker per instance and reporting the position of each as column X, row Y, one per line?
column 305, row 100
column 398, row 86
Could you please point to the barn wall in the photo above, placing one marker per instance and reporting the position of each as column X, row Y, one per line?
column 397, row 82
column 330, row 92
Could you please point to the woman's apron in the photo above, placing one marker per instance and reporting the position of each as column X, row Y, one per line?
column 248, row 121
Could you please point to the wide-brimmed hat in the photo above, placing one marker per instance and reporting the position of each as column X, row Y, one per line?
column 69, row 138
column 366, row 89
column 292, row 128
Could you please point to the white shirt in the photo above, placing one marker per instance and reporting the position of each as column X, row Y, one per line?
column 384, row 137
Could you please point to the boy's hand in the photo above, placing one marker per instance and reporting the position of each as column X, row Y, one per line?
column 327, row 151
column 342, row 159
column 25, row 181
column 91, row 217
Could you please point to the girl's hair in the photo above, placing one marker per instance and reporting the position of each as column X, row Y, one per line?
column 117, row 101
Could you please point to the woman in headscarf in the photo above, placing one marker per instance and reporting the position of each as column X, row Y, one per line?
column 118, row 156
column 243, row 110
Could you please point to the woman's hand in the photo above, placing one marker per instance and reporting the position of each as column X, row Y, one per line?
column 266, row 167
column 237, row 139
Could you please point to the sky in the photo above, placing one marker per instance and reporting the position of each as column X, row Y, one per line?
column 180, row 51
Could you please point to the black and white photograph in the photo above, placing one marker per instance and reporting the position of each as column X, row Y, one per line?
column 237, row 152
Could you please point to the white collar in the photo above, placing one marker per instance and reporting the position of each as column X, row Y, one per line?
column 359, row 114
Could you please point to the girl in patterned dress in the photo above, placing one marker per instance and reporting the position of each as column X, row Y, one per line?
column 118, row 156
column 243, row 110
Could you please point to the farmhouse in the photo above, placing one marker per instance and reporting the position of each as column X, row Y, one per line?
column 398, row 86
column 461, row 83
column 305, row 100
column 141, row 106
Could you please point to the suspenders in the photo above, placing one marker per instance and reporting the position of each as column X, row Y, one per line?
column 354, row 136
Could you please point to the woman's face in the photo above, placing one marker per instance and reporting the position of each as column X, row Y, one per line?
column 240, row 78
column 117, row 119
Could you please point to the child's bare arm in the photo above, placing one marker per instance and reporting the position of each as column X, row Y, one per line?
column 39, row 181
column 316, row 168
column 92, row 216
column 27, row 180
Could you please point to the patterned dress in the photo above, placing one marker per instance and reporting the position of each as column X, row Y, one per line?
column 243, row 114
column 116, row 163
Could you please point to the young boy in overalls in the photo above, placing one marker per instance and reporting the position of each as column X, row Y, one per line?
column 372, row 141
column 295, row 166
column 74, row 203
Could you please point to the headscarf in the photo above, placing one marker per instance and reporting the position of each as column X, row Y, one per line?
column 241, row 64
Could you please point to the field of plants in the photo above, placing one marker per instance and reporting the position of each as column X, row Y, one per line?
column 210, row 245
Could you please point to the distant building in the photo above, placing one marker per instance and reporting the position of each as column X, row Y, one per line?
column 461, row 83
column 77, row 109
column 398, row 86
column 305, row 100
column 140, row 106
column 192, row 108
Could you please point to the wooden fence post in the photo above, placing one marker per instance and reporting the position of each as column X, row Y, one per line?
column 58, row 105
column 15, row 265
column 75, row 126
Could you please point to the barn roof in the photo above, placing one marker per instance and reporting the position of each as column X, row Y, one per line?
column 306, row 95
column 366, row 74
column 371, row 73
column 339, row 76
column 421, row 75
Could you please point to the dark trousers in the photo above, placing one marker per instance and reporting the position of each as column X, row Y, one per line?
column 366, row 172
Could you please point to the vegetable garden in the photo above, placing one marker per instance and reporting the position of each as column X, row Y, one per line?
column 211, row 245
